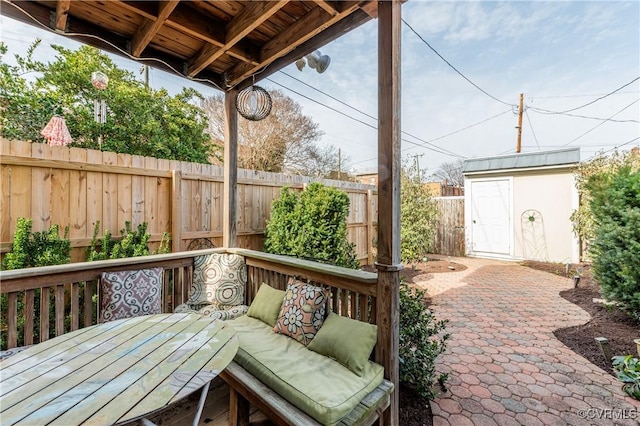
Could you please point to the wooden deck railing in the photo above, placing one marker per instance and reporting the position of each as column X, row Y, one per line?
column 53, row 300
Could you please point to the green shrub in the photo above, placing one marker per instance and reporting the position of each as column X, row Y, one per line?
column 627, row 369
column 31, row 249
column 131, row 243
column 418, row 214
column 421, row 341
column 311, row 224
column 615, row 206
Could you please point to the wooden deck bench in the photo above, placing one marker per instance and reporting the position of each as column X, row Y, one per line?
column 245, row 389
column 352, row 294
column 66, row 293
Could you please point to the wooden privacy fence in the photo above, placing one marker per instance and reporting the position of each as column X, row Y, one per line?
column 450, row 235
column 78, row 187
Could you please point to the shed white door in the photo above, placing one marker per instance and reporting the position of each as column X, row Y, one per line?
column 491, row 216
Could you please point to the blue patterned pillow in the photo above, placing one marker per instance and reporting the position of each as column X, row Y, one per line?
column 218, row 279
column 127, row 294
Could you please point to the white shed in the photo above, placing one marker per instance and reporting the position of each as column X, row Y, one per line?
column 518, row 206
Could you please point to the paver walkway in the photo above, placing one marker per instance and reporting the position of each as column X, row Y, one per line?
column 506, row 367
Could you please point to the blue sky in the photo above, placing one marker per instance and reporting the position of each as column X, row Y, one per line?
column 560, row 54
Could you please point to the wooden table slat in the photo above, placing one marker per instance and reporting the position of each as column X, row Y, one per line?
column 37, row 360
column 186, row 378
column 91, row 372
column 101, row 374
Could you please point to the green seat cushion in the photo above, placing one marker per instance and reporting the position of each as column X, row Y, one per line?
column 346, row 340
column 318, row 385
column 266, row 305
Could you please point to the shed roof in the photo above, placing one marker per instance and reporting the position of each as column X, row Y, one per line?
column 569, row 156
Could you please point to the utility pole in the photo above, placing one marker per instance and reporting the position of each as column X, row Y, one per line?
column 520, row 111
column 339, row 164
column 417, row 163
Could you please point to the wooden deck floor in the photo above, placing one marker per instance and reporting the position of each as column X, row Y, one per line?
column 215, row 412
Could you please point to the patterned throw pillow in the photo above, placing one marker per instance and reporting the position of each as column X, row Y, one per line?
column 127, row 294
column 303, row 311
column 218, row 279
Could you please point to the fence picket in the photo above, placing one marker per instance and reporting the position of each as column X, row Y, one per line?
column 141, row 190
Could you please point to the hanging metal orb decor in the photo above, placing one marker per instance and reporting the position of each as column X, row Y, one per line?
column 253, row 103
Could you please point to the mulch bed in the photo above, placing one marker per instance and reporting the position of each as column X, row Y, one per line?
column 609, row 322
column 414, row 409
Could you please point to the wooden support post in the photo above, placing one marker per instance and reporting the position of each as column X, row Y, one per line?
column 229, row 232
column 238, row 409
column 369, row 227
column 176, row 211
column 388, row 263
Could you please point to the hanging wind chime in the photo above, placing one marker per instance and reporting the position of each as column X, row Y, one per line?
column 99, row 80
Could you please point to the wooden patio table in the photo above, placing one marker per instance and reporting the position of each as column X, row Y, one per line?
column 114, row 372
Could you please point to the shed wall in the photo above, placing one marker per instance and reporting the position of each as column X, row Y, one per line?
column 542, row 205
column 548, row 197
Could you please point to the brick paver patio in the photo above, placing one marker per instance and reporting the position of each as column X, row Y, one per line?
column 506, row 367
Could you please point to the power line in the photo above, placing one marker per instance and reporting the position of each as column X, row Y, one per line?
column 454, row 68
column 330, row 96
column 535, row 138
column 621, row 145
column 448, row 134
column 435, row 147
column 601, row 97
column 600, row 124
column 580, row 96
column 364, row 113
column 549, row 112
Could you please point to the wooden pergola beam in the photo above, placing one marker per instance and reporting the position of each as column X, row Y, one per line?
column 62, row 13
column 242, row 24
column 313, row 23
column 197, row 25
column 150, row 27
column 326, row 6
column 230, row 158
column 389, row 164
column 346, row 25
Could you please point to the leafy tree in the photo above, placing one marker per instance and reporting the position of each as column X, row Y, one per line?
column 139, row 120
column 601, row 165
column 418, row 215
column 285, row 141
column 311, row 224
column 615, row 205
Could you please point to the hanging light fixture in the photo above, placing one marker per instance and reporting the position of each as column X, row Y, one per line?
column 315, row 60
column 253, row 103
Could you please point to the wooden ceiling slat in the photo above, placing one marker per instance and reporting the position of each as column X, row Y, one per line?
column 62, row 12
column 244, row 22
column 150, row 27
column 327, row 6
column 337, row 30
column 302, row 30
column 216, row 40
column 195, row 24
